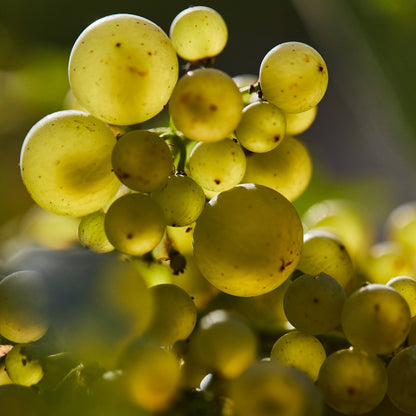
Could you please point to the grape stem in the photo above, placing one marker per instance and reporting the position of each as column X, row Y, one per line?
column 251, row 89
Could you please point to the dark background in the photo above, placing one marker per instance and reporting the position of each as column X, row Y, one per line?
column 363, row 141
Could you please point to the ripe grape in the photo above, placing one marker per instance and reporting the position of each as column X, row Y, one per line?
column 297, row 123
column 198, row 32
column 91, row 233
column 352, row 381
column 123, row 69
column 247, row 240
column 293, row 76
column 313, row 303
column 206, row 105
column 286, row 169
column 134, row 224
column 217, row 166
column 262, row 127
column 142, row 160
column 299, row 350
column 376, row 318
column 181, row 238
column 65, row 163
column 406, row 286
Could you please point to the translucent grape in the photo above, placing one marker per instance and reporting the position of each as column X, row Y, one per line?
column 198, row 32
column 247, row 241
column 376, row 318
column 406, row 286
column 206, row 105
column 293, row 76
column 286, row 169
column 142, row 160
column 181, row 238
column 23, row 307
column 123, row 69
column 297, row 123
column 181, row 199
column 352, row 381
column 134, row 224
column 401, row 373
column 262, row 127
column 300, row 350
column 217, row 166
column 91, row 233
column 66, row 163
column 270, row 388
column 22, row 368
column 313, row 303
column 4, row 377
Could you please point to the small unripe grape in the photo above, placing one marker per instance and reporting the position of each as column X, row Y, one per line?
column 91, row 233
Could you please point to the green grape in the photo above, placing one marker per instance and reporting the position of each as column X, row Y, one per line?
column 22, row 365
column 226, row 344
column 406, row 286
column 198, row 32
column 286, row 169
column 297, row 123
column 262, row 127
column 247, row 241
column 175, row 314
column 181, row 238
column 151, row 375
column 181, row 199
column 246, row 80
column 4, row 377
column 134, row 224
column 152, row 272
column 293, row 76
column 300, row 350
column 401, row 373
column 23, row 307
column 376, row 318
column 352, row 381
column 387, row 259
column 123, row 69
column 142, row 160
column 313, row 303
column 206, row 105
column 411, row 339
column 65, row 163
column 91, row 233
column 323, row 251
column 217, row 166
column 271, row 388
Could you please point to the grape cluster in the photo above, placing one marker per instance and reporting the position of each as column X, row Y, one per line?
column 201, row 290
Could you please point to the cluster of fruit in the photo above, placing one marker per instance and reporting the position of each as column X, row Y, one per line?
column 202, row 291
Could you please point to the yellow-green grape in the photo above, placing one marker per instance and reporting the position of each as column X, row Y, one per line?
column 297, row 123
column 23, row 307
column 181, row 238
column 243, row 81
column 346, row 220
column 22, row 367
column 286, row 169
column 293, row 76
column 4, row 377
column 226, row 344
column 247, row 241
column 217, row 166
column 271, row 388
column 352, row 381
column 376, row 318
column 123, row 69
column 411, row 339
column 91, row 233
column 175, row 314
column 206, row 105
column 406, row 286
column 154, row 272
column 142, row 160
column 198, row 32
column 151, row 375
column 181, row 199
column 300, row 350
column 65, row 163
column 313, row 303
column 387, row 259
column 401, row 225
column 323, row 251
column 134, row 224
column 262, row 127
column 401, row 373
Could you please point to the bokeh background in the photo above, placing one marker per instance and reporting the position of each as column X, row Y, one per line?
column 363, row 142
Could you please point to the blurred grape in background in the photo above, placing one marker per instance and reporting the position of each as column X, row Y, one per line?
column 364, row 138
